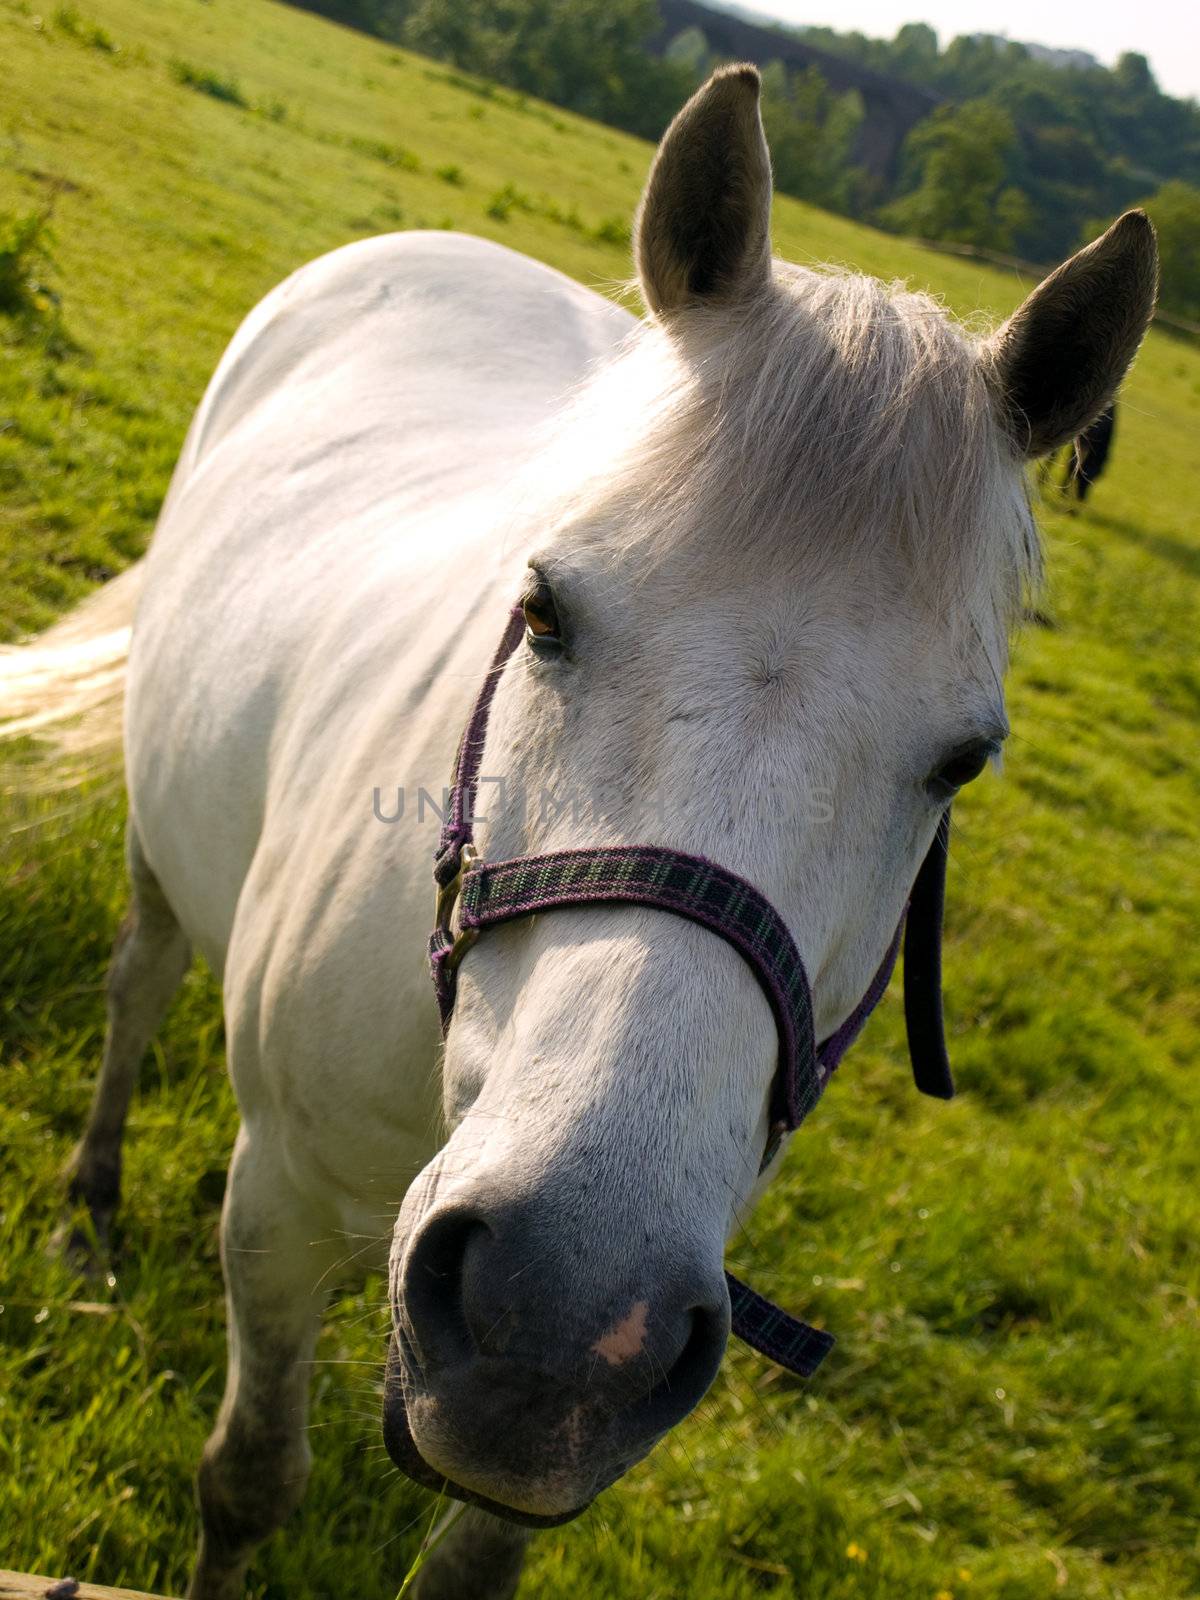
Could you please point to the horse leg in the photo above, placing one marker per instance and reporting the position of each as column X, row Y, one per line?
column 256, row 1462
column 479, row 1559
column 149, row 959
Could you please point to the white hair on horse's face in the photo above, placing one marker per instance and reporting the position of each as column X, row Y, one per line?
column 788, row 537
column 829, row 417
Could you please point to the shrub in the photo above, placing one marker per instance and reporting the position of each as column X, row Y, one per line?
column 553, row 212
column 68, row 20
column 450, row 174
column 613, row 230
column 1175, row 212
column 392, row 155
column 23, row 249
column 207, row 82
column 507, row 200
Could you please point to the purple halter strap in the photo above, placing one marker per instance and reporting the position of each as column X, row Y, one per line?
column 486, row 894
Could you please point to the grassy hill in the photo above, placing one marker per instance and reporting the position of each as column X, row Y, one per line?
column 1013, row 1409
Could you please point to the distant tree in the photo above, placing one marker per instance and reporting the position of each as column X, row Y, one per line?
column 589, row 55
column 1089, row 139
column 689, row 49
column 385, row 18
column 914, row 52
column 959, row 159
column 1133, row 75
column 973, row 65
column 811, row 131
column 873, row 53
column 1175, row 212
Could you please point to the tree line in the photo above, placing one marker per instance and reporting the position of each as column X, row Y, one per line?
column 1030, row 156
column 1025, row 156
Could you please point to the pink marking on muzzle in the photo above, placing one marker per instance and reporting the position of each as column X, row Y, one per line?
column 625, row 1339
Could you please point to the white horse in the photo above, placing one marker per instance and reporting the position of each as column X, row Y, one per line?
column 773, row 547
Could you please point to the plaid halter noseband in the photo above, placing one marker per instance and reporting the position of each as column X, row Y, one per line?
column 488, row 893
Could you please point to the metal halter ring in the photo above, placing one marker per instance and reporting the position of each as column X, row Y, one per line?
column 447, row 898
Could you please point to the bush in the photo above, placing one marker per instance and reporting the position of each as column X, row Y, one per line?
column 613, row 230
column 206, row 82
column 958, row 162
column 392, row 155
column 1175, row 212
column 68, row 20
column 589, row 55
column 507, row 200
column 23, row 250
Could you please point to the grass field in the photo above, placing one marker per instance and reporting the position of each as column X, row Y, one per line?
column 1013, row 1410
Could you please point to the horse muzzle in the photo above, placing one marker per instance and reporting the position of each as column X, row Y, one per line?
column 520, row 1380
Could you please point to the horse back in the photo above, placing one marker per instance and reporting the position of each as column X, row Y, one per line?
column 335, row 518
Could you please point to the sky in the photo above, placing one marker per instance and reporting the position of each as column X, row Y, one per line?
column 1166, row 32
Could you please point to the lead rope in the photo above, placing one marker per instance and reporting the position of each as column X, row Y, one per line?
column 485, row 894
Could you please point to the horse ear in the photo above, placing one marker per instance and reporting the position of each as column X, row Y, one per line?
column 1057, row 361
column 703, row 228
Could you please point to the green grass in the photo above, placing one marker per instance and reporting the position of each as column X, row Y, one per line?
column 1014, row 1278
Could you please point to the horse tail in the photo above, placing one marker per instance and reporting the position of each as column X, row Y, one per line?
column 66, row 687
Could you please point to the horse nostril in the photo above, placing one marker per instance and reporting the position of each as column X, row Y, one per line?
column 437, row 1323
column 687, row 1382
column 469, row 1316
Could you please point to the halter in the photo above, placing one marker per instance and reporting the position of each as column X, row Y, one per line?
column 487, row 893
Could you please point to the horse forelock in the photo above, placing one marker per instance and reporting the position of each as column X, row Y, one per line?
column 832, row 417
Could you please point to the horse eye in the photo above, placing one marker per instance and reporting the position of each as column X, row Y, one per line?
column 541, row 617
column 962, row 767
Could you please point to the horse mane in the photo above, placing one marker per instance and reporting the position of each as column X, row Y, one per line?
column 832, row 411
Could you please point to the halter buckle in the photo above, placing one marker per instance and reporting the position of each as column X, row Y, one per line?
column 463, row 940
column 447, row 899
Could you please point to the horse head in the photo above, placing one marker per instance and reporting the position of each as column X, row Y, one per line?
column 783, row 541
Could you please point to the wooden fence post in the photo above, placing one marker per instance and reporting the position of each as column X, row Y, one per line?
column 28, row 1586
